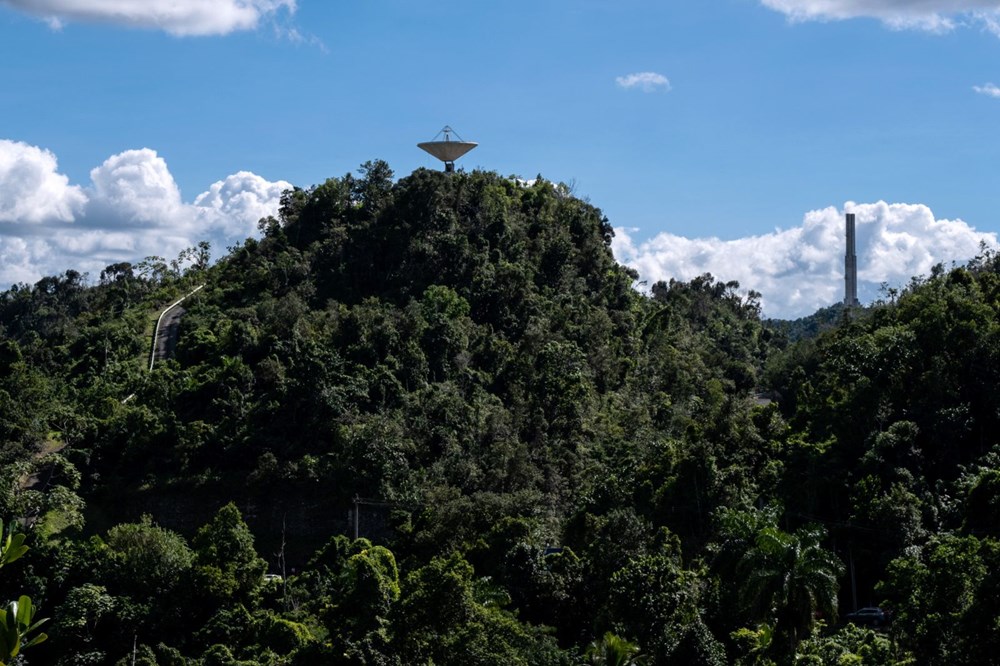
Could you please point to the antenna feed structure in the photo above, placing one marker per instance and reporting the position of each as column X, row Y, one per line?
column 447, row 149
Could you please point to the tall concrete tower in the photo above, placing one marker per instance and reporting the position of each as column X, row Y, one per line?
column 850, row 266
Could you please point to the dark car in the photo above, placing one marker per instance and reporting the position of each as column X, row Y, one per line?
column 868, row 617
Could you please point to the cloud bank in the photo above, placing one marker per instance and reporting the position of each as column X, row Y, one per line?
column 131, row 209
column 930, row 15
column 644, row 81
column 177, row 17
column 800, row 270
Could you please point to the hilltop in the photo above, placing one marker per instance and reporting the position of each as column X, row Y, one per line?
column 547, row 462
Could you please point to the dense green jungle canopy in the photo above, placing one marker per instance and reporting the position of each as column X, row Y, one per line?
column 543, row 465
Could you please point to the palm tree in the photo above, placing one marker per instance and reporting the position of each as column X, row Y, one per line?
column 787, row 579
column 612, row 650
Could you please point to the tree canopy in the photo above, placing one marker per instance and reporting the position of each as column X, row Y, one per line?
column 542, row 462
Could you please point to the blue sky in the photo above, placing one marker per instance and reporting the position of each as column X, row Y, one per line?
column 760, row 123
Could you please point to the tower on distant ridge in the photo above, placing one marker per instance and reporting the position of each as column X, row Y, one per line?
column 447, row 150
column 850, row 266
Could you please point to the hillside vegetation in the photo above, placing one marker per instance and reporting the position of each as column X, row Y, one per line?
column 550, row 466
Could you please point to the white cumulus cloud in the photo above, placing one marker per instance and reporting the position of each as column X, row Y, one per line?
column 800, row 270
column 31, row 188
column 20, row 259
column 131, row 209
column 236, row 204
column 931, row 15
column 177, row 17
column 644, row 81
column 990, row 90
column 134, row 187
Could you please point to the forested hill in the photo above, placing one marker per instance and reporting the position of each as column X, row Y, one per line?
column 550, row 467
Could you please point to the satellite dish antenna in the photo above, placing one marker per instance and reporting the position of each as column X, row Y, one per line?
column 447, row 149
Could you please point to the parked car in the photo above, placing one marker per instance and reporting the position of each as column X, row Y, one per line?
column 868, row 617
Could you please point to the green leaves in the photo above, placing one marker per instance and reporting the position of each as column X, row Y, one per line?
column 226, row 561
column 145, row 560
column 15, row 629
column 612, row 650
column 468, row 344
column 11, row 547
column 945, row 597
column 16, row 624
column 788, row 577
